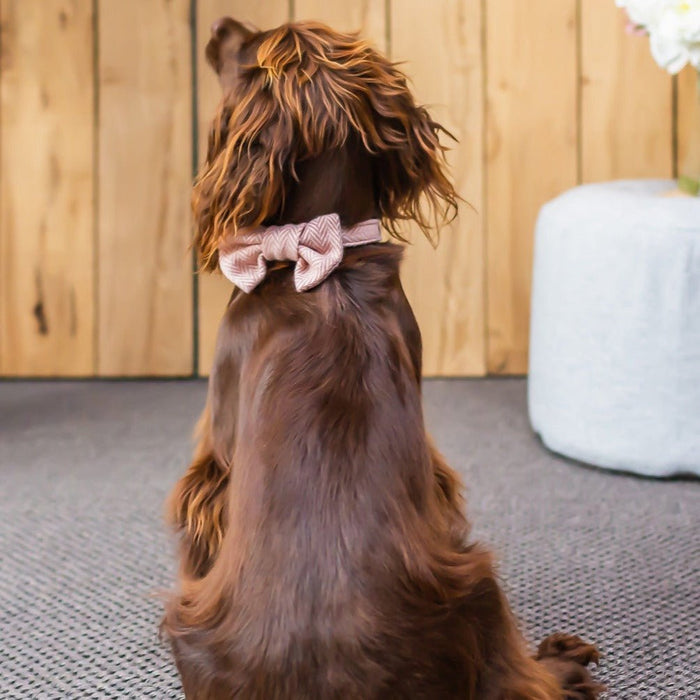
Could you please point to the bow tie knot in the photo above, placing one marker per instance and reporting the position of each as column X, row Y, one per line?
column 316, row 247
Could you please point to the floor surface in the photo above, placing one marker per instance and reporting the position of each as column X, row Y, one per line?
column 85, row 467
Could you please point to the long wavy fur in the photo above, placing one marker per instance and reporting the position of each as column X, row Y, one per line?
column 305, row 91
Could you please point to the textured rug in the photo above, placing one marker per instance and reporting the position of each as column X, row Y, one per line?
column 85, row 466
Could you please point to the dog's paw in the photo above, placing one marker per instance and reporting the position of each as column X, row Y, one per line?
column 566, row 657
column 569, row 647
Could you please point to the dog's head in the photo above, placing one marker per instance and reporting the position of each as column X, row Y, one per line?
column 293, row 94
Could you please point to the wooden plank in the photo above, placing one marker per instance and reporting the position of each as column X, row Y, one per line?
column 531, row 123
column 688, row 125
column 442, row 50
column 214, row 290
column 366, row 16
column 145, row 167
column 626, row 100
column 46, row 197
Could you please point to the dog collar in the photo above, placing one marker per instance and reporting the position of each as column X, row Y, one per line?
column 315, row 246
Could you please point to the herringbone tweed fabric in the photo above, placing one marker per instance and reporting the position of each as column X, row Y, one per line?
column 316, row 246
column 84, row 469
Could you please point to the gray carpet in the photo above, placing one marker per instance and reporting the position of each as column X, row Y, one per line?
column 84, row 469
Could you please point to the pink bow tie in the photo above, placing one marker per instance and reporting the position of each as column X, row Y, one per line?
column 316, row 246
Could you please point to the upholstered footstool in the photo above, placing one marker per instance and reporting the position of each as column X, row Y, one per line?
column 614, row 376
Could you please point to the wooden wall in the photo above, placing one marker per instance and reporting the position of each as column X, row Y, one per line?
column 104, row 110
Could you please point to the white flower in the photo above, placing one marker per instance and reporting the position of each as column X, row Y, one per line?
column 673, row 27
column 643, row 12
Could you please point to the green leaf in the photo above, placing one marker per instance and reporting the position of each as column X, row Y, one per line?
column 689, row 185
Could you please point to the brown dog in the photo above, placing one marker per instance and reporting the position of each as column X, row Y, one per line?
column 324, row 549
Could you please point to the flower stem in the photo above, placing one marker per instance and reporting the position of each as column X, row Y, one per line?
column 689, row 124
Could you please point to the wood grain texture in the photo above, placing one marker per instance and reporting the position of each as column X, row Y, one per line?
column 366, row 16
column 688, row 127
column 214, row 289
column 531, row 154
column 46, row 196
column 145, row 131
column 445, row 286
column 117, row 299
column 626, row 100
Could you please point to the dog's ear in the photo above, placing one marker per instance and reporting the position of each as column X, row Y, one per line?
column 409, row 160
column 241, row 183
column 253, row 149
column 223, row 51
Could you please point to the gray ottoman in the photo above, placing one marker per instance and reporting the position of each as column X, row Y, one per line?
column 614, row 375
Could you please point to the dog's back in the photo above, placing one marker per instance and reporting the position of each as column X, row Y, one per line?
column 329, row 574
